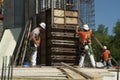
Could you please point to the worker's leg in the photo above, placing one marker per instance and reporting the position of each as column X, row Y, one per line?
column 92, row 59
column 104, row 63
column 81, row 61
column 88, row 49
column 109, row 62
column 34, row 56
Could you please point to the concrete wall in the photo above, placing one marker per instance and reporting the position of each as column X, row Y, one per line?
column 8, row 43
column 17, row 12
column 13, row 13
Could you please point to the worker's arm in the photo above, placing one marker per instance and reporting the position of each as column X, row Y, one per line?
column 31, row 36
column 36, row 40
column 77, row 29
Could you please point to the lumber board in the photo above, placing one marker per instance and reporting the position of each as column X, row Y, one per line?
column 62, row 57
column 63, row 42
column 72, row 74
column 81, row 73
column 65, row 27
column 63, row 34
column 58, row 63
column 54, row 40
column 59, row 49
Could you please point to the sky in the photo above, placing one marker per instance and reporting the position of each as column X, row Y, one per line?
column 107, row 12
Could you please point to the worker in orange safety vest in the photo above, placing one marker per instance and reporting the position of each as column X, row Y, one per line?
column 106, row 57
column 86, row 42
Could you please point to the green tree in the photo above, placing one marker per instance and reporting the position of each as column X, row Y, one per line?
column 102, row 35
column 111, row 41
column 115, row 42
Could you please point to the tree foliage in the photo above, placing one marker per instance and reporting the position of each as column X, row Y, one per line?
column 102, row 35
column 115, row 42
column 111, row 41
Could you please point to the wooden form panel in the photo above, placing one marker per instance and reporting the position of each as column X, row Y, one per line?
column 71, row 13
column 62, row 43
column 61, row 16
column 60, row 13
column 58, row 20
column 71, row 20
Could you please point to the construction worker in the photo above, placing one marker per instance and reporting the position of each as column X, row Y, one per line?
column 35, row 39
column 106, row 57
column 85, row 36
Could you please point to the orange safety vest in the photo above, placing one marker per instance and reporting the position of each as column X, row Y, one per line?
column 106, row 55
column 85, row 36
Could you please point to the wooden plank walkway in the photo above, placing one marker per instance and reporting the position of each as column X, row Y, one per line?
column 42, row 72
column 55, row 73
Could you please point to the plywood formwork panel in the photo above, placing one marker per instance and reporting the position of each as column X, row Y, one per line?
column 71, row 13
column 62, row 13
column 60, row 36
column 71, row 20
column 59, row 13
column 58, row 20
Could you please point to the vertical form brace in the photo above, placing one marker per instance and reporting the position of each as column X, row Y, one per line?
column 52, row 12
column 64, row 12
column 79, row 19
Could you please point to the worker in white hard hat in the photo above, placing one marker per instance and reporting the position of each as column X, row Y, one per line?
column 106, row 56
column 35, row 41
column 85, row 36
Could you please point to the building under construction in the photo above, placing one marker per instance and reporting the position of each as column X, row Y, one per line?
column 59, row 53
column 59, row 42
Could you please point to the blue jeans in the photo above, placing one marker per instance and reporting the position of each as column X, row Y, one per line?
column 107, row 63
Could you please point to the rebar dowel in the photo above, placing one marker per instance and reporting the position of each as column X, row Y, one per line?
column 118, row 72
column 5, row 68
column 12, row 59
column 9, row 68
column 2, row 74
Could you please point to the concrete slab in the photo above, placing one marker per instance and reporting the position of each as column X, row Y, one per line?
column 38, row 72
column 8, row 43
column 114, row 77
column 51, row 72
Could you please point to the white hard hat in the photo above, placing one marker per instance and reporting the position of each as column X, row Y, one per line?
column 104, row 47
column 43, row 25
column 86, row 27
